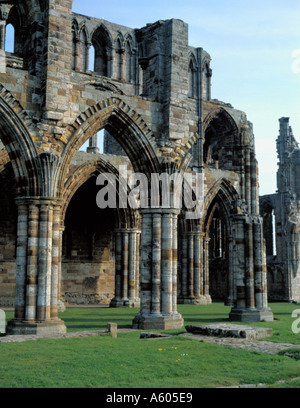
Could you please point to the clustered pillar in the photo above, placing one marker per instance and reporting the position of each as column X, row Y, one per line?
column 250, row 272
column 158, row 271
column 127, row 268
column 37, row 274
column 194, row 269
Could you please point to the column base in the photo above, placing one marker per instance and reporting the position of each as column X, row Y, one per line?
column 229, row 302
column 47, row 328
column 93, row 150
column 251, row 315
column 130, row 303
column 61, row 307
column 158, row 322
column 202, row 300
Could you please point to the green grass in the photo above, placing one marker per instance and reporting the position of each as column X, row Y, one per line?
column 95, row 319
column 78, row 319
column 129, row 362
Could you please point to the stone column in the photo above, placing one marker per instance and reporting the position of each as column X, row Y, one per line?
column 93, row 148
column 116, row 301
column 87, row 56
column 146, row 264
column 175, row 262
column 37, row 268
column 193, row 270
column 125, row 249
column 60, row 302
column 260, row 272
column 184, row 270
column 191, row 265
column 206, row 294
column 254, row 185
column 2, row 34
column 158, row 271
column 32, row 267
column 44, row 261
column 21, row 255
column 231, row 269
column 249, row 271
column 56, row 260
column 133, row 295
column 197, row 266
column 126, row 281
column 248, row 194
column 166, row 263
column 4, row 13
column 249, row 275
column 76, row 42
column 156, row 263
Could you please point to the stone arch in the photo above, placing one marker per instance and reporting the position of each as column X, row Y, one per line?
column 125, row 124
column 27, row 9
column 206, row 81
column 223, row 113
column 127, row 218
column 17, row 140
column 119, row 40
column 189, row 150
column 225, row 192
column 20, row 16
column 106, row 243
column 220, row 133
column 80, row 47
column 128, row 39
column 218, row 233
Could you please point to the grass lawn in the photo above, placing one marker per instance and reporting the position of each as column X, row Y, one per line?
column 129, row 362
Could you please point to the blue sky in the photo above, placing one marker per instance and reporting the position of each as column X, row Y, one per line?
column 255, row 50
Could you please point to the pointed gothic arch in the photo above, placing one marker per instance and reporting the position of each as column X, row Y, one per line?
column 127, row 217
column 217, row 226
column 124, row 124
column 221, row 133
column 19, row 145
column 192, row 75
column 100, row 240
column 103, row 45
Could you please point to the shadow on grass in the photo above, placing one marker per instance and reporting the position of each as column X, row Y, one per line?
column 97, row 318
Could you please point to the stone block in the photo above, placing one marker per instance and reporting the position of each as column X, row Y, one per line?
column 112, row 329
column 231, row 330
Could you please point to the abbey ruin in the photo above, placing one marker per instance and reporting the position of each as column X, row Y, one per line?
column 151, row 94
column 281, row 215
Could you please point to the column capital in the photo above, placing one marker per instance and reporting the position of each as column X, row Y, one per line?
column 4, row 11
column 39, row 201
column 162, row 211
column 128, row 230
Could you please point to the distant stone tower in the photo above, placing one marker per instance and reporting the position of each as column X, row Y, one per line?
column 281, row 214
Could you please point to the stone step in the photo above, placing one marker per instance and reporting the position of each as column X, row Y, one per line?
column 230, row 330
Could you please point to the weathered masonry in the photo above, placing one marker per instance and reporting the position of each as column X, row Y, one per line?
column 281, row 215
column 151, row 93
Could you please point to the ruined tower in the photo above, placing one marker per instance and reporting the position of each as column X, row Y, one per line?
column 280, row 212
